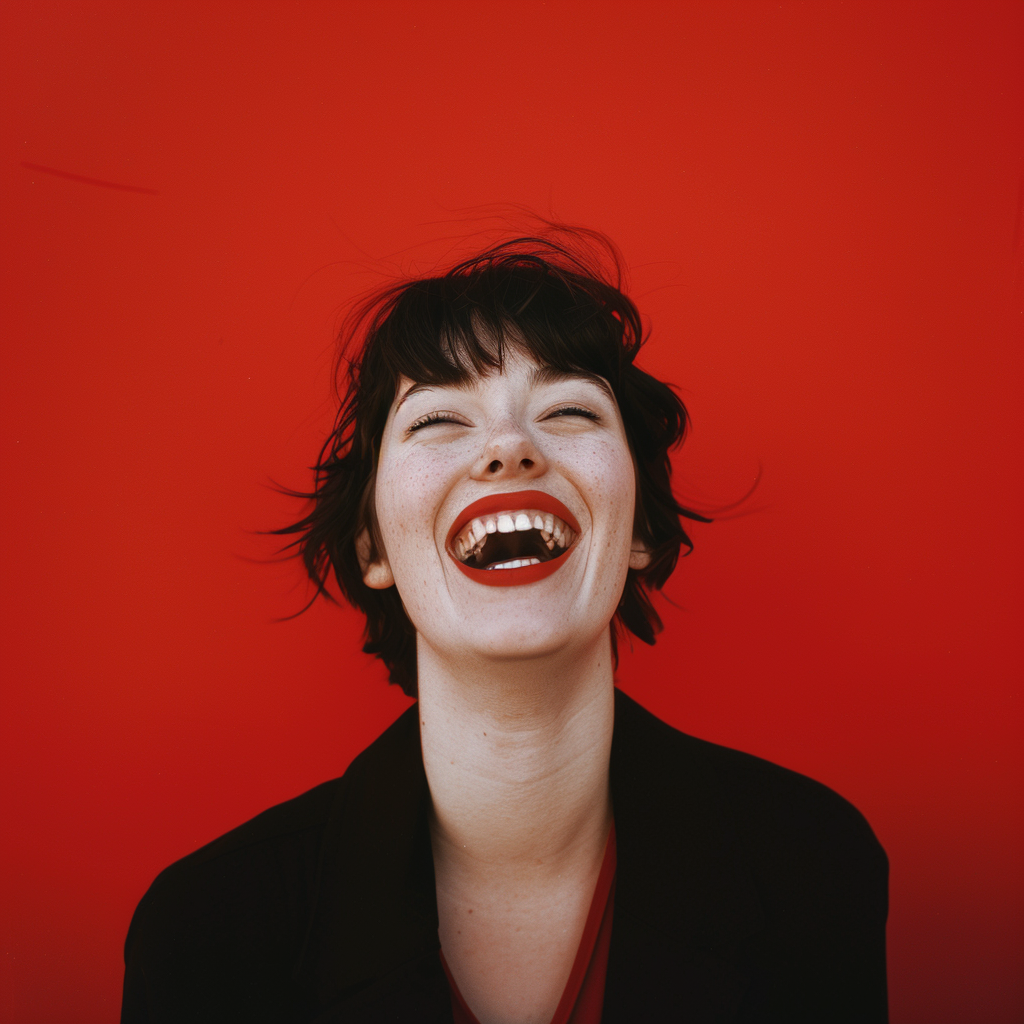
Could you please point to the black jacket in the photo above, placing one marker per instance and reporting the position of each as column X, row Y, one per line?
column 744, row 893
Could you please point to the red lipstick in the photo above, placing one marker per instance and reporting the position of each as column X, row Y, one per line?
column 539, row 500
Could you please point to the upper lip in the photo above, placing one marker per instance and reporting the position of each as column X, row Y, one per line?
column 507, row 502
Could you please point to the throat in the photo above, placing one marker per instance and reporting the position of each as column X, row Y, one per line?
column 520, row 792
column 505, row 547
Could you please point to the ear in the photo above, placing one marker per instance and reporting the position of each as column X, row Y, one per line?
column 376, row 573
column 639, row 556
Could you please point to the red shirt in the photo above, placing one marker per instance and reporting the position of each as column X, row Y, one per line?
column 583, row 996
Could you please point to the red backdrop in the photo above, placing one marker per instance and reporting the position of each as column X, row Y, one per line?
column 821, row 205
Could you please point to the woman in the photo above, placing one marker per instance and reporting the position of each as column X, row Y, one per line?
column 525, row 844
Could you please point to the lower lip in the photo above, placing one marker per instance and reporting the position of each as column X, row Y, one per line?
column 515, row 577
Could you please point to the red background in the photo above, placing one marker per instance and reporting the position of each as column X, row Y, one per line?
column 820, row 203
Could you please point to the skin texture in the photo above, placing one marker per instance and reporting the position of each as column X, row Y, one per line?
column 515, row 683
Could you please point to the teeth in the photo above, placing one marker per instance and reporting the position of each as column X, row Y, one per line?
column 515, row 563
column 472, row 536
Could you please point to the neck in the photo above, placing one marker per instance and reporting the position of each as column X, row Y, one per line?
column 516, row 756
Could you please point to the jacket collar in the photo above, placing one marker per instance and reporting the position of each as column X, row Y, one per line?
column 681, row 868
column 375, row 906
column 683, row 892
column 684, row 895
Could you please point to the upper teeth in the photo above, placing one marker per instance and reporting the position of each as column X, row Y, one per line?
column 554, row 532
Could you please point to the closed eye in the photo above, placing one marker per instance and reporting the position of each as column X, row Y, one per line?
column 575, row 410
column 434, row 417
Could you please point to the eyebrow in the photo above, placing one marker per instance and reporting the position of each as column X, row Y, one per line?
column 460, row 385
column 552, row 375
column 539, row 375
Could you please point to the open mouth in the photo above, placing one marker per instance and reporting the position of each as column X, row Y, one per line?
column 512, row 538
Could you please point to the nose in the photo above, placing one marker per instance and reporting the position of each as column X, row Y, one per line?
column 509, row 453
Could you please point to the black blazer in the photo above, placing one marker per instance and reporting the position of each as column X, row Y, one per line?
column 744, row 893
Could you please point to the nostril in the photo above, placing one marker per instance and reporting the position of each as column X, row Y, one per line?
column 494, row 466
column 526, row 463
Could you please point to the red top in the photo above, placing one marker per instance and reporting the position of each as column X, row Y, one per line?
column 583, row 997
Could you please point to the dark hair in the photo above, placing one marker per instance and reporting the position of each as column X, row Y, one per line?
column 558, row 298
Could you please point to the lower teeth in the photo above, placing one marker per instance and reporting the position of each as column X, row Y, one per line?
column 515, row 563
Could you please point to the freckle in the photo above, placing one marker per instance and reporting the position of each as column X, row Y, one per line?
column 470, row 911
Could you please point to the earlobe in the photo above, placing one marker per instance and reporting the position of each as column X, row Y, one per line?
column 377, row 573
column 378, row 576
column 639, row 556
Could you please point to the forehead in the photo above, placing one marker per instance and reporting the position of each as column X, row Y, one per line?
column 535, row 375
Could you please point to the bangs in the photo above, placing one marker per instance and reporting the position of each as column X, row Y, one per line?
column 445, row 330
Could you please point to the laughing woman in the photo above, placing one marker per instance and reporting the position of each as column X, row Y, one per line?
column 525, row 844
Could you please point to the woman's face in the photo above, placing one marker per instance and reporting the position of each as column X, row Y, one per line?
column 506, row 511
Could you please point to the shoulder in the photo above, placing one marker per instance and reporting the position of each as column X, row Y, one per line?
column 771, row 799
column 793, row 828
column 282, row 842
column 293, row 824
column 760, row 866
column 221, row 933
column 233, row 910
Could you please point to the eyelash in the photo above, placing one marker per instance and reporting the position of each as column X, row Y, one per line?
column 434, row 417
column 444, row 417
column 576, row 410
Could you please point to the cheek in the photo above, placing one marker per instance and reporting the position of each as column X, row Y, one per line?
column 608, row 480
column 408, row 495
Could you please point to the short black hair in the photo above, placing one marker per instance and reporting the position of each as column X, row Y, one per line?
column 558, row 298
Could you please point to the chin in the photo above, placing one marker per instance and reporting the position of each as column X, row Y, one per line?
column 528, row 641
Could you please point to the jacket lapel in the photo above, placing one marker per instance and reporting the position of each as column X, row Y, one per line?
column 684, row 896
column 372, row 951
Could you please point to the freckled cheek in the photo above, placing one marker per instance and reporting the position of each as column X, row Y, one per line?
column 607, row 476
column 409, row 495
